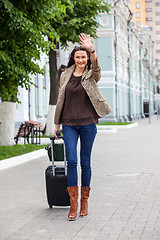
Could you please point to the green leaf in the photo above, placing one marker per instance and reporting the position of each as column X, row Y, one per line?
column 24, row 25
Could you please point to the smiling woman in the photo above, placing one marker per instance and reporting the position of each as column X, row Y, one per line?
column 80, row 58
column 79, row 106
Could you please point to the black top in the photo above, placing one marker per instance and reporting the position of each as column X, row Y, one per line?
column 77, row 108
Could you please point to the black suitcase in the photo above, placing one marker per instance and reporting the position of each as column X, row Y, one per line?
column 56, row 177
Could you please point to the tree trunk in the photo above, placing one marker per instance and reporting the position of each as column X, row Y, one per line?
column 50, row 120
column 53, row 77
column 7, row 120
column 54, row 86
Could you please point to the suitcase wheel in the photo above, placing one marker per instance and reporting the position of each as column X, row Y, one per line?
column 50, row 206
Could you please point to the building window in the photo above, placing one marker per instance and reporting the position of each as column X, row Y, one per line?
column 37, row 95
column 44, row 91
column 158, row 42
column 138, row 24
column 148, row 19
column 137, row 5
column 157, row 13
column 148, row 9
column 157, row 3
column 158, row 51
column 158, row 23
column 44, row 78
column 138, row 14
column 157, row 32
column 150, row 28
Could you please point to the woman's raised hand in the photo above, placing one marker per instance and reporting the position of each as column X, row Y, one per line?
column 86, row 42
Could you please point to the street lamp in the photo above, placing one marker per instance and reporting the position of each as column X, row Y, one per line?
column 147, row 65
column 115, row 48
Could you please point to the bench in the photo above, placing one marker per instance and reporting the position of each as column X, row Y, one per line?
column 35, row 130
column 23, row 132
column 30, row 129
column 43, row 129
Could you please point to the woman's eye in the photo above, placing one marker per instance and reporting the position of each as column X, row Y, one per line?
column 77, row 57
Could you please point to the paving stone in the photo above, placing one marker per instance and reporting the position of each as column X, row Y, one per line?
column 125, row 193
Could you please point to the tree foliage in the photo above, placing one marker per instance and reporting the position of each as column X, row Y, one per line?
column 81, row 16
column 24, row 24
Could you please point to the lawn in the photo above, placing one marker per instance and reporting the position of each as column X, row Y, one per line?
column 15, row 150
column 115, row 123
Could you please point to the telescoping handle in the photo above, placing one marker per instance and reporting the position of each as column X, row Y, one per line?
column 52, row 154
column 58, row 136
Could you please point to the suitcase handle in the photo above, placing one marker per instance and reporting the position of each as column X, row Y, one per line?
column 58, row 135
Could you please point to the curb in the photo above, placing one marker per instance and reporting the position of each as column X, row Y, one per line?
column 105, row 127
column 14, row 161
column 106, row 130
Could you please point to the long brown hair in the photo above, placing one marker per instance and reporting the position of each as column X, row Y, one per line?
column 71, row 56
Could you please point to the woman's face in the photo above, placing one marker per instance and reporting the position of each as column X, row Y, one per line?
column 81, row 58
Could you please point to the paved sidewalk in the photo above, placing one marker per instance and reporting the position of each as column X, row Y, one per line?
column 125, row 195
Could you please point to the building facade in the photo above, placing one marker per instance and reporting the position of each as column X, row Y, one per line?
column 147, row 12
column 126, row 82
column 34, row 103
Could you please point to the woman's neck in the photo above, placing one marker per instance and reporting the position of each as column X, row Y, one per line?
column 78, row 71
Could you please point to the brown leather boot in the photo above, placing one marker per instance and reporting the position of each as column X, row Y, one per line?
column 84, row 201
column 73, row 193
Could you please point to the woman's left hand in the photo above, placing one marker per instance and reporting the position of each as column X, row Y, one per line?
column 86, row 42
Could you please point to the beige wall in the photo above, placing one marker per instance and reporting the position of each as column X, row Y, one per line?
column 154, row 28
column 140, row 10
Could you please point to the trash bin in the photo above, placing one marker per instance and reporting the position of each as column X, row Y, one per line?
column 146, row 109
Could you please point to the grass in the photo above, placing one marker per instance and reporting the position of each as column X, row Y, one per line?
column 16, row 150
column 115, row 123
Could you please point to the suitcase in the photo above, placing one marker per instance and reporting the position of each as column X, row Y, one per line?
column 56, row 176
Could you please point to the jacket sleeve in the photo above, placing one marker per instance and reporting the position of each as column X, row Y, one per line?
column 96, row 70
column 55, row 115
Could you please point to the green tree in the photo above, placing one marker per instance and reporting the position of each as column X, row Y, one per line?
column 81, row 16
column 25, row 26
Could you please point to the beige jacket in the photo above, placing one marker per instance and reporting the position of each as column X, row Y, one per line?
column 89, row 83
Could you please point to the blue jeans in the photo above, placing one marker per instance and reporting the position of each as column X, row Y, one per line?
column 87, row 135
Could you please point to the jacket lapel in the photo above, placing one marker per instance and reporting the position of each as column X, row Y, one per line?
column 86, row 74
column 68, row 73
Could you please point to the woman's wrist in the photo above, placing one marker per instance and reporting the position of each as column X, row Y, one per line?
column 93, row 56
column 92, row 51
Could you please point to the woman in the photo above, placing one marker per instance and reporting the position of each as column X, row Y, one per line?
column 79, row 106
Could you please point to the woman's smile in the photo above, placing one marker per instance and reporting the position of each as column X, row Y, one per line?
column 80, row 59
